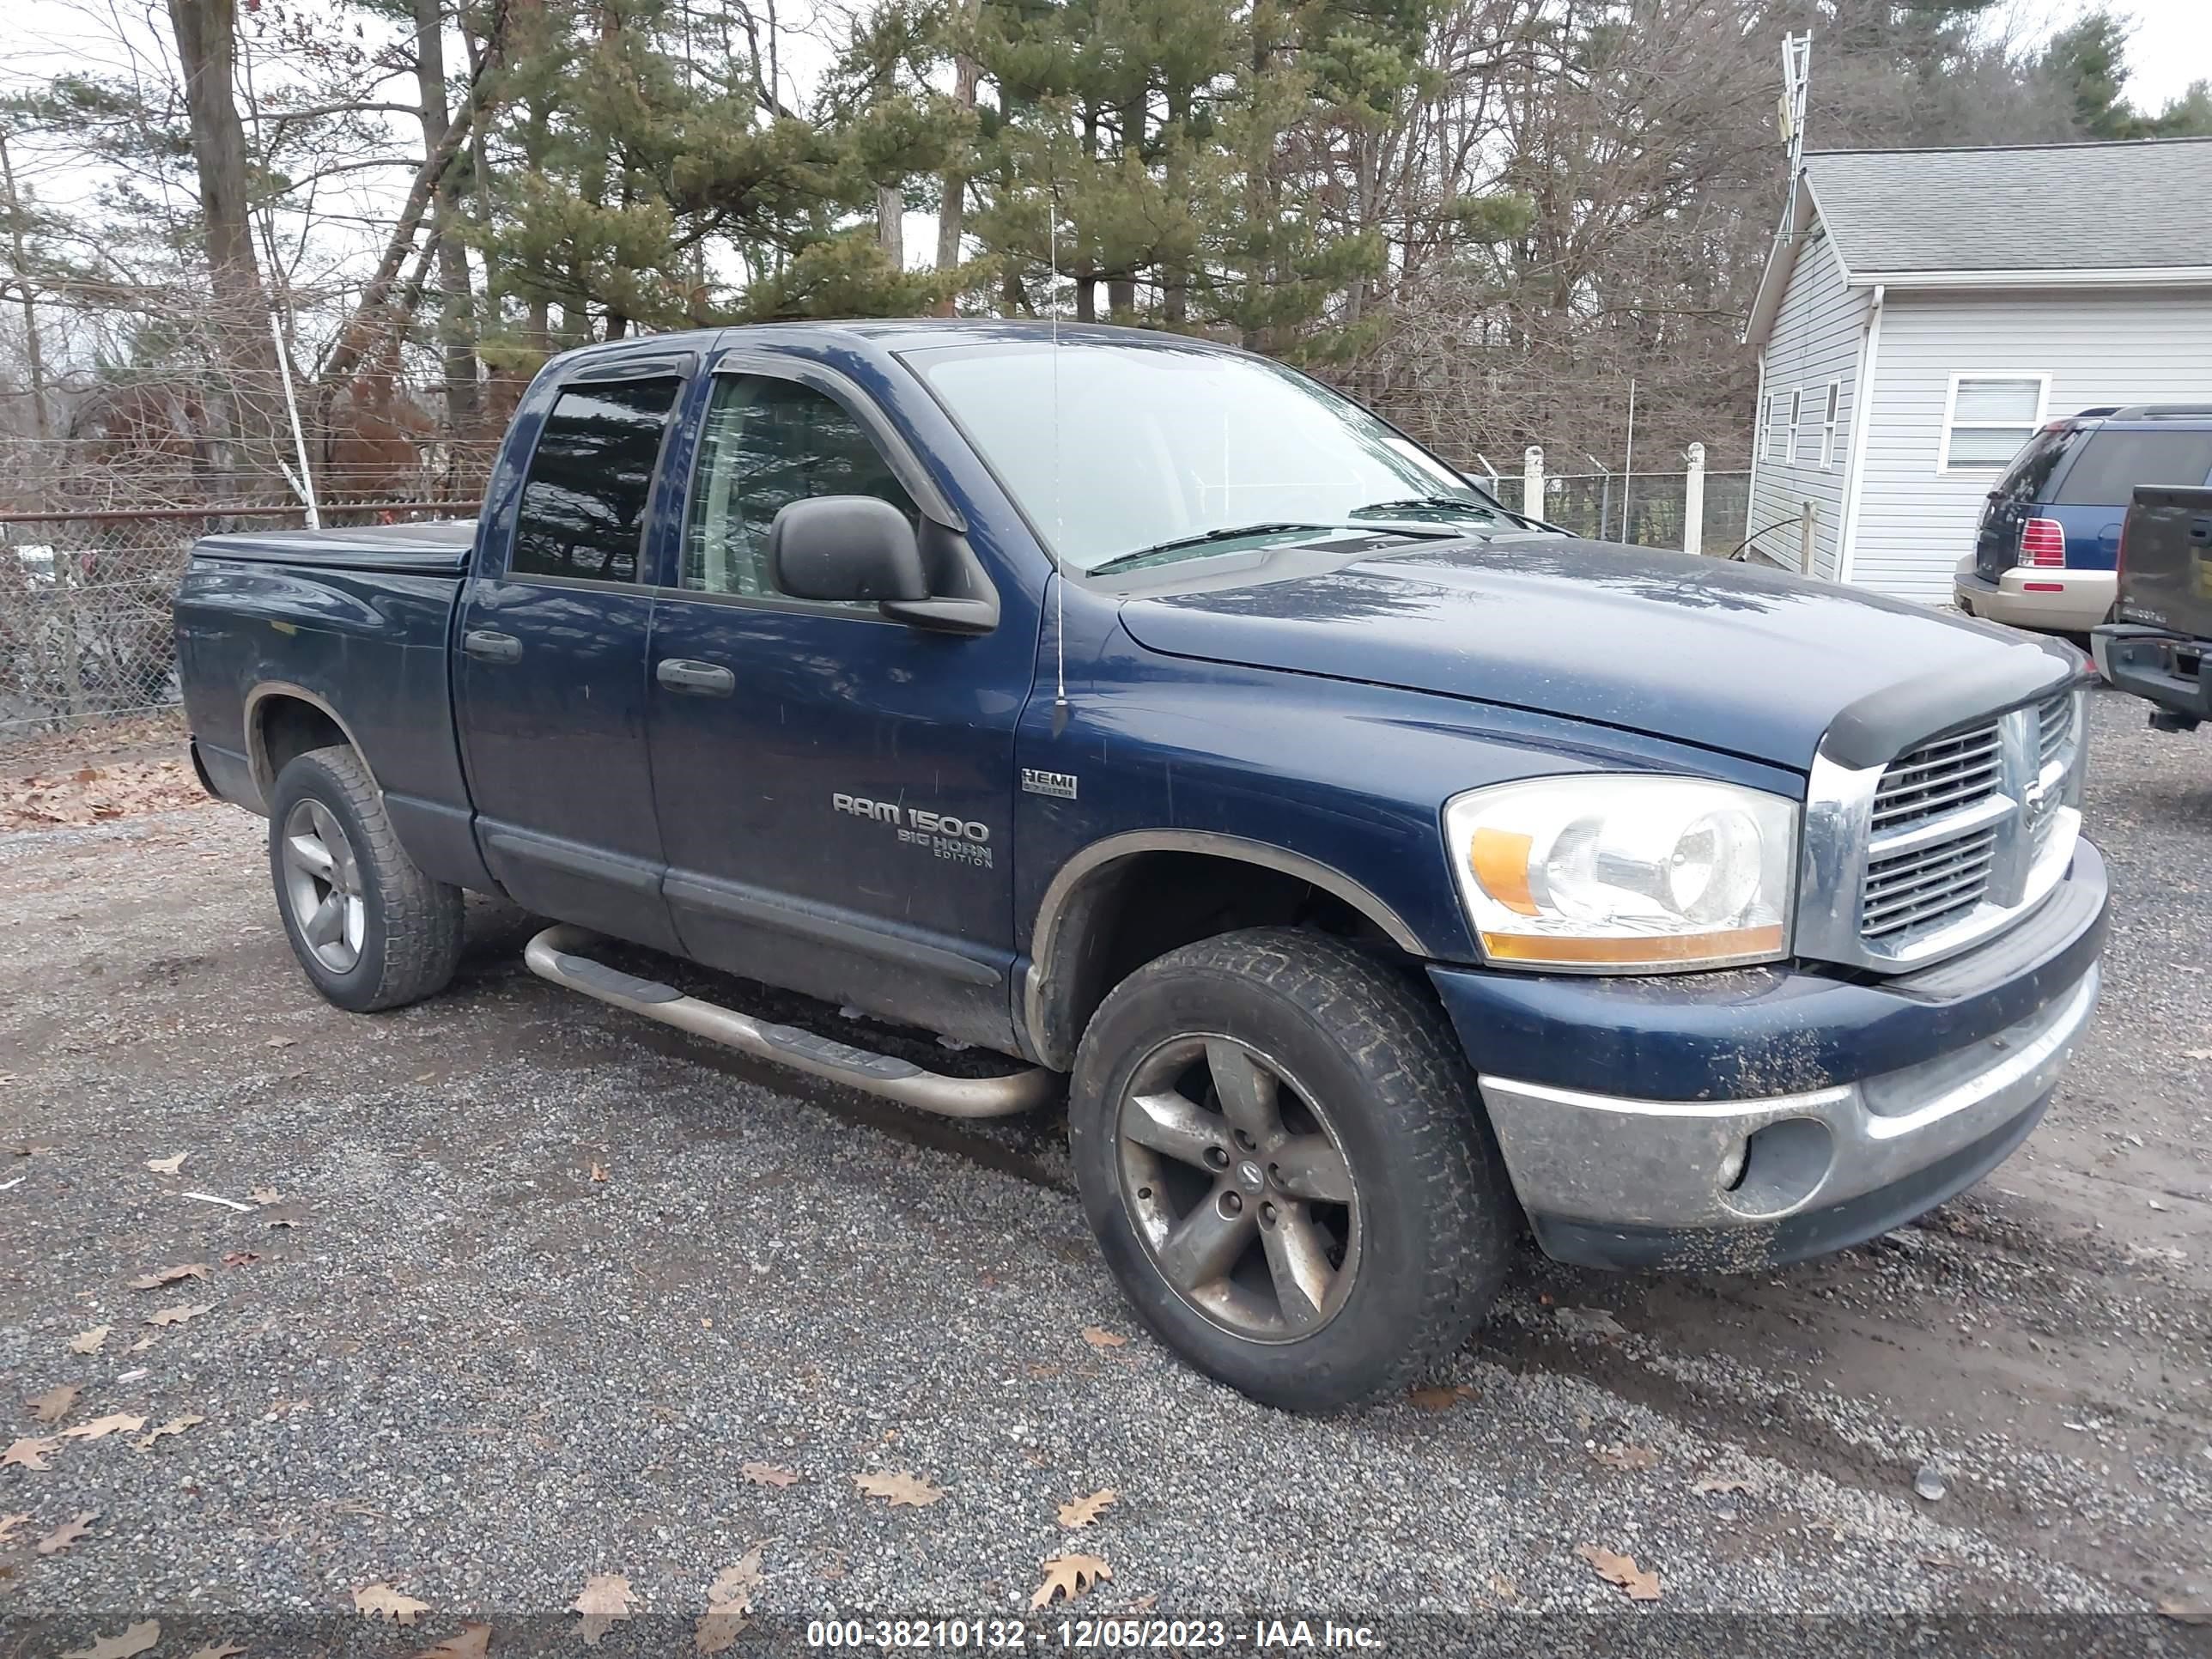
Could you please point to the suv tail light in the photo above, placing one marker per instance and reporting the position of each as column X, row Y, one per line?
column 2043, row 544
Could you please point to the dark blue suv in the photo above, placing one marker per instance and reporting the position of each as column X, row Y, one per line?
column 2047, row 550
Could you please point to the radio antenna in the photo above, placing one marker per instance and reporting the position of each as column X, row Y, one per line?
column 1059, row 522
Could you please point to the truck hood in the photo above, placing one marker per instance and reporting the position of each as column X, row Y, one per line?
column 1752, row 662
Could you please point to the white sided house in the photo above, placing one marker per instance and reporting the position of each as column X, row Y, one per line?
column 1924, row 311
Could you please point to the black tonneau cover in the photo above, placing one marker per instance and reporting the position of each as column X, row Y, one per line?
column 439, row 548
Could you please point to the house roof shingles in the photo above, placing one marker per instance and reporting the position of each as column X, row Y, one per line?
column 2053, row 207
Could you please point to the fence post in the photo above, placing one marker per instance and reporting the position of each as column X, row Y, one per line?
column 1532, row 481
column 1808, row 536
column 1693, row 502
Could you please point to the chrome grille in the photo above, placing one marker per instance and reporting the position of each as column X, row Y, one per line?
column 1926, row 886
column 1949, row 843
column 1937, row 776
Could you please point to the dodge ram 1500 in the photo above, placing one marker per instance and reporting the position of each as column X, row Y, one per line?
column 1386, row 872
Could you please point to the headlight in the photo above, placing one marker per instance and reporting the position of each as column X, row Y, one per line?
column 1624, row 872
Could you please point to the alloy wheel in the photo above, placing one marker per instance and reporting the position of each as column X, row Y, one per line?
column 1239, row 1188
column 322, row 886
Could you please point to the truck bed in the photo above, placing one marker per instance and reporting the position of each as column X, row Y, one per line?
column 438, row 548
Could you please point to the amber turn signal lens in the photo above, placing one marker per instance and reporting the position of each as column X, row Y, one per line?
column 1652, row 950
column 1499, row 859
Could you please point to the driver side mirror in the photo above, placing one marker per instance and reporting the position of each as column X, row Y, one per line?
column 846, row 549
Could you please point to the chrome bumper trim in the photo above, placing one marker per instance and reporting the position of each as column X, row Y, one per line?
column 1613, row 1159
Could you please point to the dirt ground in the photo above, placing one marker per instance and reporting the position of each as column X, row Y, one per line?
column 511, row 1290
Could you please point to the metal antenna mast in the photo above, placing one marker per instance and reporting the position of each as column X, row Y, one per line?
column 1060, row 574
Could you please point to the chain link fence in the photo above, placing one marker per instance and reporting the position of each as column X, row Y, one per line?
column 1646, row 509
column 86, row 638
column 86, row 634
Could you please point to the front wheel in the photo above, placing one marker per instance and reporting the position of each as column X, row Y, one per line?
column 1281, row 1150
column 370, row 929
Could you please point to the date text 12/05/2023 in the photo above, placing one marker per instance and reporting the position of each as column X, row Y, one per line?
column 1122, row 1633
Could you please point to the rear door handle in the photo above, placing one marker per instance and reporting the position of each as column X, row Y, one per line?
column 695, row 679
column 487, row 646
column 2200, row 530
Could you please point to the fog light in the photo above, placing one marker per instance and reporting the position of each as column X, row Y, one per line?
column 1732, row 1168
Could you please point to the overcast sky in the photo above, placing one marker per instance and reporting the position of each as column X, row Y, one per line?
column 2172, row 47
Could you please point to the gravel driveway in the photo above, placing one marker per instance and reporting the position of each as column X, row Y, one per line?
column 513, row 1292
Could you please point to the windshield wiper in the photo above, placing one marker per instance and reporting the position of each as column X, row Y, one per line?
column 1429, row 503
column 1186, row 543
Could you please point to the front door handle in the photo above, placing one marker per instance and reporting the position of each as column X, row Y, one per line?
column 487, row 646
column 2200, row 530
column 695, row 679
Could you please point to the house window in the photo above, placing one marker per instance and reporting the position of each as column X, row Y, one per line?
column 1777, row 416
column 1796, row 414
column 1987, row 418
column 1828, row 424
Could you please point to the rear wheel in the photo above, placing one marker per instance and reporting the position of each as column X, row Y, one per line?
column 370, row 930
column 1281, row 1151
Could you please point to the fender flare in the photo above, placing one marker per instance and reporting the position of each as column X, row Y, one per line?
column 1054, row 974
column 256, row 750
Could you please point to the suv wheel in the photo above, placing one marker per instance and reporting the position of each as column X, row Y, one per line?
column 371, row 931
column 1283, row 1156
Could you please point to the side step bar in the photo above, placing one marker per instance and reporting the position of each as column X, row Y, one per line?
column 554, row 954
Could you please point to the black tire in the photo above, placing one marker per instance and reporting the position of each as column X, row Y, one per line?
column 1436, row 1218
column 410, row 931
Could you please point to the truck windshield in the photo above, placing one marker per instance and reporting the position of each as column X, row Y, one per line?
column 1113, row 450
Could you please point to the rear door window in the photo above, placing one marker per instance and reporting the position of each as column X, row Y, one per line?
column 583, row 506
column 2116, row 460
column 2026, row 479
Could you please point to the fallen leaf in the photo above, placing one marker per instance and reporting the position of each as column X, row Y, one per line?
column 1067, row 1576
column 175, row 1425
column 1146, row 1603
column 101, row 1427
column 142, row 1344
column 30, row 1453
column 54, row 1404
column 171, row 1275
column 280, row 1042
column 1627, row 1457
column 767, row 1474
column 245, row 1259
column 737, row 1581
column 1720, row 1483
column 2182, row 1610
column 1441, row 1400
column 729, row 1599
column 136, row 1639
column 1099, row 1337
column 2197, row 1054
column 900, row 1489
column 1622, row 1572
column 266, row 1195
column 380, row 1600
column 10, row 1522
column 87, row 1341
column 1082, row 1511
column 180, row 1313
column 471, row 1644
column 605, row 1598
column 67, row 1533
column 599, row 1172
column 1588, row 1322
column 1504, row 1588
column 168, row 1165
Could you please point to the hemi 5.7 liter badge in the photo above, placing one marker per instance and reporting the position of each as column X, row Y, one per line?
column 1061, row 784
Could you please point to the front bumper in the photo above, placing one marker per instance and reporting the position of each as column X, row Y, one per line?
column 2055, row 601
column 1739, row 1120
column 2169, row 668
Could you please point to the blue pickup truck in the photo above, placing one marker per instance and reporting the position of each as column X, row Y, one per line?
column 1385, row 873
